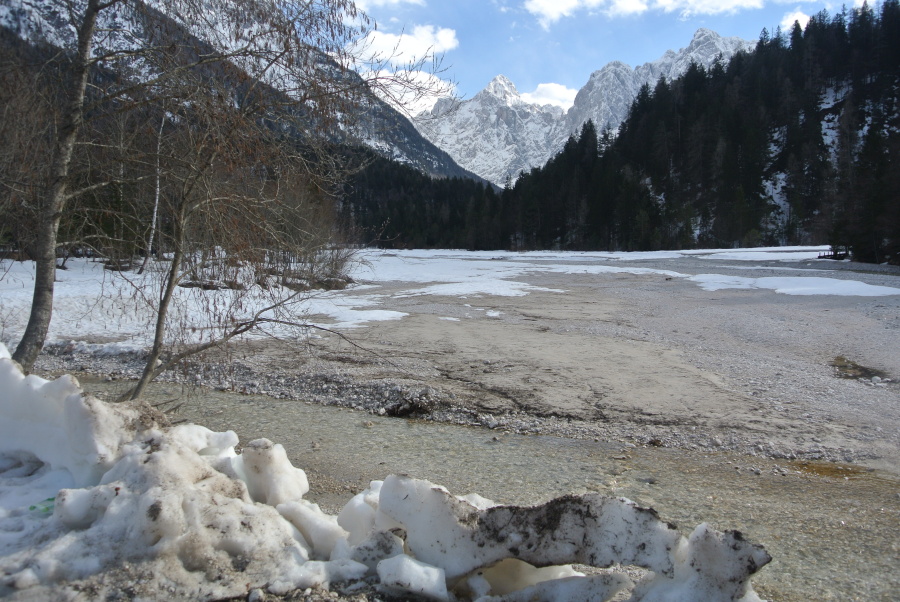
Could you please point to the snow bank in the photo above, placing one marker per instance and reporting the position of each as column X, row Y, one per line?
column 54, row 421
column 795, row 285
column 106, row 498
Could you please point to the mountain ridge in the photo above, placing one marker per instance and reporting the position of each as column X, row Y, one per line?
column 381, row 128
column 497, row 134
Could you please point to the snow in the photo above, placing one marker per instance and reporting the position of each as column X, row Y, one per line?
column 795, row 286
column 99, row 312
column 498, row 133
column 107, row 498
column 403, row 575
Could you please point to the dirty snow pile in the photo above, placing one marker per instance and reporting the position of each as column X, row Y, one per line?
column 99, row 499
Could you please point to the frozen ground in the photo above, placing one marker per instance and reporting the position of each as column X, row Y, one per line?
column 729, row 350
column 704, row 351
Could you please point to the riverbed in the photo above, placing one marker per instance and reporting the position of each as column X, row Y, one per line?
column 830, row 528
column 770, row 412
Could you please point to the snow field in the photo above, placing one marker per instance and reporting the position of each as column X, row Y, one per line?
column 100, row 312
column 107, row 495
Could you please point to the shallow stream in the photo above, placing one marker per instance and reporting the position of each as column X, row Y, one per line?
column 833, row 531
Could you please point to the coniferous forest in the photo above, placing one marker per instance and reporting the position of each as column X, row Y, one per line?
column 797, row 142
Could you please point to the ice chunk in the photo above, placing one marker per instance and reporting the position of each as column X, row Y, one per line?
column 204, row 441
column 79, row 508
column 317, row 574
column 452, row 534
column 53, row 420
column 358, row 518
column 458, row 537
column 511, row 574
column 376, row 548
column 482, row 503
column 270, row 476
column 596, row 588
column 407, row 575
column 321, row 530
column 710, row 565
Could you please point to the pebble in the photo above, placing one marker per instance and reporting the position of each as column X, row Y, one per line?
column 386, row 398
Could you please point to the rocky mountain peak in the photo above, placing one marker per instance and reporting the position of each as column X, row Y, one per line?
column 497, row 140
column 501, row 88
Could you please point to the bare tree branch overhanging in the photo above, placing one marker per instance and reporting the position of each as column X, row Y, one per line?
column 253, row 97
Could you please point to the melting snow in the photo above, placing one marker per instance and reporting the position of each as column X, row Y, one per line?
column 91, row 305
column 99, row 497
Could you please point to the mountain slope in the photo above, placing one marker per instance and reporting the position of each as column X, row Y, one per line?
column 497, row 135
column 794, row 143
column 380, row 127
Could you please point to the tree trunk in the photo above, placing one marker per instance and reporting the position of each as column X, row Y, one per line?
column 162, row 311
column 45, row 262
column 149, row 247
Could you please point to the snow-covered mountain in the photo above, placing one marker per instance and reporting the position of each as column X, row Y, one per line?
column 122, row 28
column 496, row 134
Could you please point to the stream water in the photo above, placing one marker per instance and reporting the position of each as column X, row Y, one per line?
column 833, row 531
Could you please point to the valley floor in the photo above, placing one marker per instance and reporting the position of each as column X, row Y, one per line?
column 730, row 405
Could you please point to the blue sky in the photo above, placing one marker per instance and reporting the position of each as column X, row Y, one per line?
column 561, row 42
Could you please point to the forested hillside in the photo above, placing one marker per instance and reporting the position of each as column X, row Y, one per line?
column 794, row 143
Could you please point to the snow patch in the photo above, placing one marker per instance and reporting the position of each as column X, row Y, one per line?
column 108, row 498
column 794, row 285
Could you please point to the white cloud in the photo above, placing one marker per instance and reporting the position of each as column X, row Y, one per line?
column 550, row 11
column 367, row 5
column 397, row 49
column 551, row 94
column 409, row 92
column 705, row 7
column 627, row 7
column 787, row 23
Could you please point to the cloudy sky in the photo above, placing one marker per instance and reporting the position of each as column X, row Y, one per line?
column 549, row 48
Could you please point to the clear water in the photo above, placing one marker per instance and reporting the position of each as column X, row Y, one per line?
column 833, row 531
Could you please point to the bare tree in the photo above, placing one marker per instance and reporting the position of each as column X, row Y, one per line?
column 243, row 206
column 274, row 70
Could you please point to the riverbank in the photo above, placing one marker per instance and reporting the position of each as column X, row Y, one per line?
column 713, row 405
column 642, row 358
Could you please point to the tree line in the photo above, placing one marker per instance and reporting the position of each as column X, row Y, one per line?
column 796, row 142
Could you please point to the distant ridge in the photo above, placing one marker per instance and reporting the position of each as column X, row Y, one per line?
column 496, row 134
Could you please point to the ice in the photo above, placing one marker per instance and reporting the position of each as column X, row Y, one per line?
column 109, row 498
column 379, row 546
column 500, row 549
column 411, row 576
column 358, row 518
column 270, row 477
column 510, row 575
column 53, row 421
column 595, row 587
column 321, row 530
column 795, row 286
column 452, row 534
column 709, row 566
